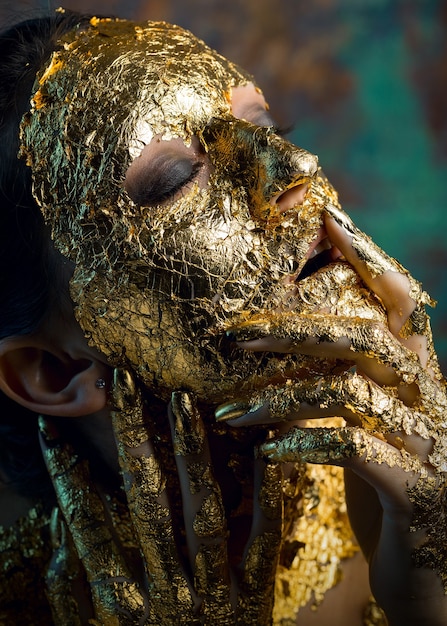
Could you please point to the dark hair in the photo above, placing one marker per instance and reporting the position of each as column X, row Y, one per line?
column 31, row 279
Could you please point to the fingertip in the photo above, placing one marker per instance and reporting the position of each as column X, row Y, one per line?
column 232, row 410
column 186, row 424
column 341, row 238
column 242, row 415
column 48, row 430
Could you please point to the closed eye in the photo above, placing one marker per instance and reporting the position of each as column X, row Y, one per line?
column 167, row 176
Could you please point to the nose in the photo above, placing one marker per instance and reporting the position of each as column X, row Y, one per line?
column 273, row 172
column 289, row 171
column 306, row 165
column 290, row 198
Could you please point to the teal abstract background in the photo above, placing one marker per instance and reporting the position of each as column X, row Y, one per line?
column 364, row 82
column 384, row 144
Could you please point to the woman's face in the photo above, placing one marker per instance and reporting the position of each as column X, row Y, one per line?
column 184, row 211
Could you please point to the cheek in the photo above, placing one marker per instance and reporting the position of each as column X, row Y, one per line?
column 155, row 338
column 199, row 245
column 187, row 271
column 143, row 330
column 169, row 342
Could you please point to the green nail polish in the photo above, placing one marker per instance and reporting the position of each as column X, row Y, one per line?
column 231, row 410
column 48, row 430
column 268, row 446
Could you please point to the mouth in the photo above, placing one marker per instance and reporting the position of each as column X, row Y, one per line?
column 321, row 253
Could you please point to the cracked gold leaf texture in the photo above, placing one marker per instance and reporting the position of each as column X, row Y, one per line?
column 155, row 286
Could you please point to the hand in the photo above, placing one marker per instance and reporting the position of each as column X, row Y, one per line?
column 188, row 578
column 395, row 405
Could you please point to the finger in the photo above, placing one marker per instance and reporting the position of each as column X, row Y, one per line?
column 349, row 395
column 350, row 447
column 411, row 494
column 203, row 509
column 364, row 342
column 116, row 597
column 67, row 591
column 398, row 477
column 399, row 292
column 419, row 390
column 257, row 584
column 148, row 502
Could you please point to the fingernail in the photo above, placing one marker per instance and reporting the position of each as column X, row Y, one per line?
column 268, row 446
column 57, row 529
column 189, row 432
column 48, row 430
column 123, row 388
column 231, row 410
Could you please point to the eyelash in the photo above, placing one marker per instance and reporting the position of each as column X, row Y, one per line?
column 156, row 197
column 283, row 131
column 169, row 194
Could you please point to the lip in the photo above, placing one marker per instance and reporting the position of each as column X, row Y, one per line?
column 321, row 252
column 321, row 236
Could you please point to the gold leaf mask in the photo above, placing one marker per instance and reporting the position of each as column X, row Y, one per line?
column 156, row 283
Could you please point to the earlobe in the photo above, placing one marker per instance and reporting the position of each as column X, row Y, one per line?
column 51, row 383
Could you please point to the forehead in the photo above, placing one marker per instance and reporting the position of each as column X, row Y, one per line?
column 152, row 77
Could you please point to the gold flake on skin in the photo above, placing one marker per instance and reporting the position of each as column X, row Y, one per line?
column 156, row 284
column 155, row 287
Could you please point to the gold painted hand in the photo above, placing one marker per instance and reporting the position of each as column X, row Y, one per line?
column 187, row 576
column 393, row 399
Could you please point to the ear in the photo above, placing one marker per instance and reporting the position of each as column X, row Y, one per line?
column 52, row 382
